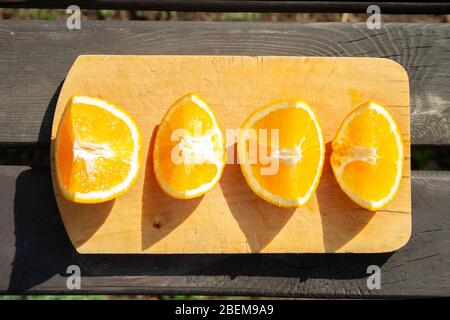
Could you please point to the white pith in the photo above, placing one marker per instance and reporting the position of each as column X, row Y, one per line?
column 198, row 149
column 90, row 152
column 369, row 155
column 290, row 156
column 194, row 146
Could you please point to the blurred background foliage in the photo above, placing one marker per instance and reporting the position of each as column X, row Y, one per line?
column 52, row 14
column 422, row 157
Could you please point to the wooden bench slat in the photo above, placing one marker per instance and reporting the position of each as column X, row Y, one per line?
column 35, row 56
column 35, row 253
column 409, row 7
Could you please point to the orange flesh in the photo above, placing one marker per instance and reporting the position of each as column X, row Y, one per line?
column 90, row 126
column 197, row 122
column 296, row 128
column 358, row 173
column 371, row 133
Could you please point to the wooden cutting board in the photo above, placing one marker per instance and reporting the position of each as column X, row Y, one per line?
column 231, row 218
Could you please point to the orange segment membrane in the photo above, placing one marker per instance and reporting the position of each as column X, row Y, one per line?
column 94, row 150
column 284, row 152
column 188, row 154
column 367, row 156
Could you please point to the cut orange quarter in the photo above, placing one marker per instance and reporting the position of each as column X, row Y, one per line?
column 188, row 155
column 97, row 151
column 367, row 157
column 281, row 152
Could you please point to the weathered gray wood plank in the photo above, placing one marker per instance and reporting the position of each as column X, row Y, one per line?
column 36, row 55
column 35, row 252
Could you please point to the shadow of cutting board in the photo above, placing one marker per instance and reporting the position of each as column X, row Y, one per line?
column 231, row 218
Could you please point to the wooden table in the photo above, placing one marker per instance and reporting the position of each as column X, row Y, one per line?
column 34, row 248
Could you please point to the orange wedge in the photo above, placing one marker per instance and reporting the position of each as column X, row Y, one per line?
column 281, row 152
column 97, row 151
column 188, row 155
column 367, row 157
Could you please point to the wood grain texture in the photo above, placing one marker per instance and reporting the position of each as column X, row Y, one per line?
column 145, row 220
column 36, row 56
column 35, row 253
column 410, row 7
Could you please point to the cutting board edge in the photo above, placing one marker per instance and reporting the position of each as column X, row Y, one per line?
column 81, row 57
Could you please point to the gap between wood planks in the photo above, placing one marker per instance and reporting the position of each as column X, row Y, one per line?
column 423, row 157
